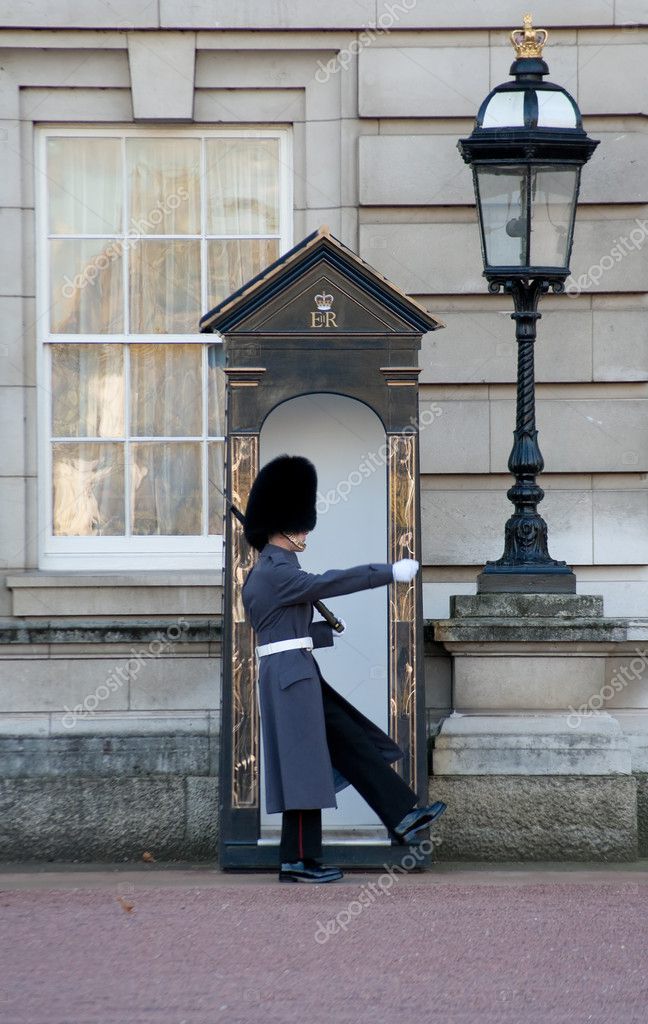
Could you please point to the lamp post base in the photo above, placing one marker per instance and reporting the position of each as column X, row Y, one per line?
column 524, row 579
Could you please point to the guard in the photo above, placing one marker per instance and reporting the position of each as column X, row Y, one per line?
column 315, row 742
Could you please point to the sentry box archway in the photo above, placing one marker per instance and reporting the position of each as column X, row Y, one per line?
column 321, row 358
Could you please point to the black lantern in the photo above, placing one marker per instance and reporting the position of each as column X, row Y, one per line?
column 526, row 152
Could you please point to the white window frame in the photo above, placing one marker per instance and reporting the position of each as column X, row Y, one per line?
column 131, row 552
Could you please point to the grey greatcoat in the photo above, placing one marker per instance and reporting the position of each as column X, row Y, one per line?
column 278, row 597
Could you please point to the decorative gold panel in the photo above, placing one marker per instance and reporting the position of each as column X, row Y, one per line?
column 243, row 457
column 402, row 601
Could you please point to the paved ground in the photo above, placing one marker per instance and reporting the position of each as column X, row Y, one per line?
column 458, row 944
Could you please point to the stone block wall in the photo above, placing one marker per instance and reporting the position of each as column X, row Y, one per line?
column 109, row 741
column 376, row 94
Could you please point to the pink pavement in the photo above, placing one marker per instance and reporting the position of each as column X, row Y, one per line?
column 486, row 946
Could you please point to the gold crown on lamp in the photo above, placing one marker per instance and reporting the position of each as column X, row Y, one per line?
column 528, row 41
column 323, row 301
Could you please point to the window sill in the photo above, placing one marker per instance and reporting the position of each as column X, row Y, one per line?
column 109, row 555
column 47, row 594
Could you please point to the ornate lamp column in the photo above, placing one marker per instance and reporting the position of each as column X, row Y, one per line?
column 526, row 152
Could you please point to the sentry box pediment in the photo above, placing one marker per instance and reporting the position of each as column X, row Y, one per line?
column 320, row 319
column 321, row 288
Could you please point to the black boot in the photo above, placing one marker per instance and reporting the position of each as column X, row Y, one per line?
column 308, row 871
column 417, row 819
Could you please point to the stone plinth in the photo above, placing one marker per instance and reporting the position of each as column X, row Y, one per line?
column 531, row 745
column 532, row 763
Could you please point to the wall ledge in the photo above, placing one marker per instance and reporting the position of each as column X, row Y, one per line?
column 88, row 578
column 49, row 595
column 101, row 632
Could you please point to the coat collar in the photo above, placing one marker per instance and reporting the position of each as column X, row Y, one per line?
column 277, row 555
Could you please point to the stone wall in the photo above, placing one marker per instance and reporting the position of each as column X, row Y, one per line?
column 109, row 741
column 376, row 94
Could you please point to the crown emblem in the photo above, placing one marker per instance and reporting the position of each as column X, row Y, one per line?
column 528, row 41
column 323, row 301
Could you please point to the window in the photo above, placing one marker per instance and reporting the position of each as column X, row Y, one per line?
column 140, row 233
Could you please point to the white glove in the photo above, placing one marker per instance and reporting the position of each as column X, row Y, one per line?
column 405, row 570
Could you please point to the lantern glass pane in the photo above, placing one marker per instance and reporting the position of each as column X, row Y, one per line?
column 502, row 202
column 553, row 197
column 555, row 110
column 505, row 110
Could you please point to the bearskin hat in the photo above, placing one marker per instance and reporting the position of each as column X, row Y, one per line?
column 282, row 499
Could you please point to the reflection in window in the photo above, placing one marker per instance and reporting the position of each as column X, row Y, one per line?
column 85, row 194
column 164, row 186
column 145, row 233
column 232, row 260
column 86, row 286
column 88, row 489
column 158, row 389
column 166, row 493
column 216, row 465
column 165, row 287
column 242, row 186
column 87, row 391
column 166, row 390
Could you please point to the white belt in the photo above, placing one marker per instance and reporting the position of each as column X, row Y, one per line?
column 284, row 645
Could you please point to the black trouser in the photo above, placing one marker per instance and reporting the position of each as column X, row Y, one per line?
column 301, row 835
column 355, row 757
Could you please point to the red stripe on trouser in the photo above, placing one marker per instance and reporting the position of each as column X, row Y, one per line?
column 301, row 838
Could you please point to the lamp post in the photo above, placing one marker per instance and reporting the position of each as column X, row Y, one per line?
column 526, row 152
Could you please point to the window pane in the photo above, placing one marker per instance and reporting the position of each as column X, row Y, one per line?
column 216, row 399
column 552, row 198
column 232, row 262
column 87, row 391
column 85, row 186
column 501, row 192
column 88, row 489
column 164, row 184
column 166, row 488
column 216, row 453
column 166, row 390
column 86, row 295
column 165, row 287
column 243, row 186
